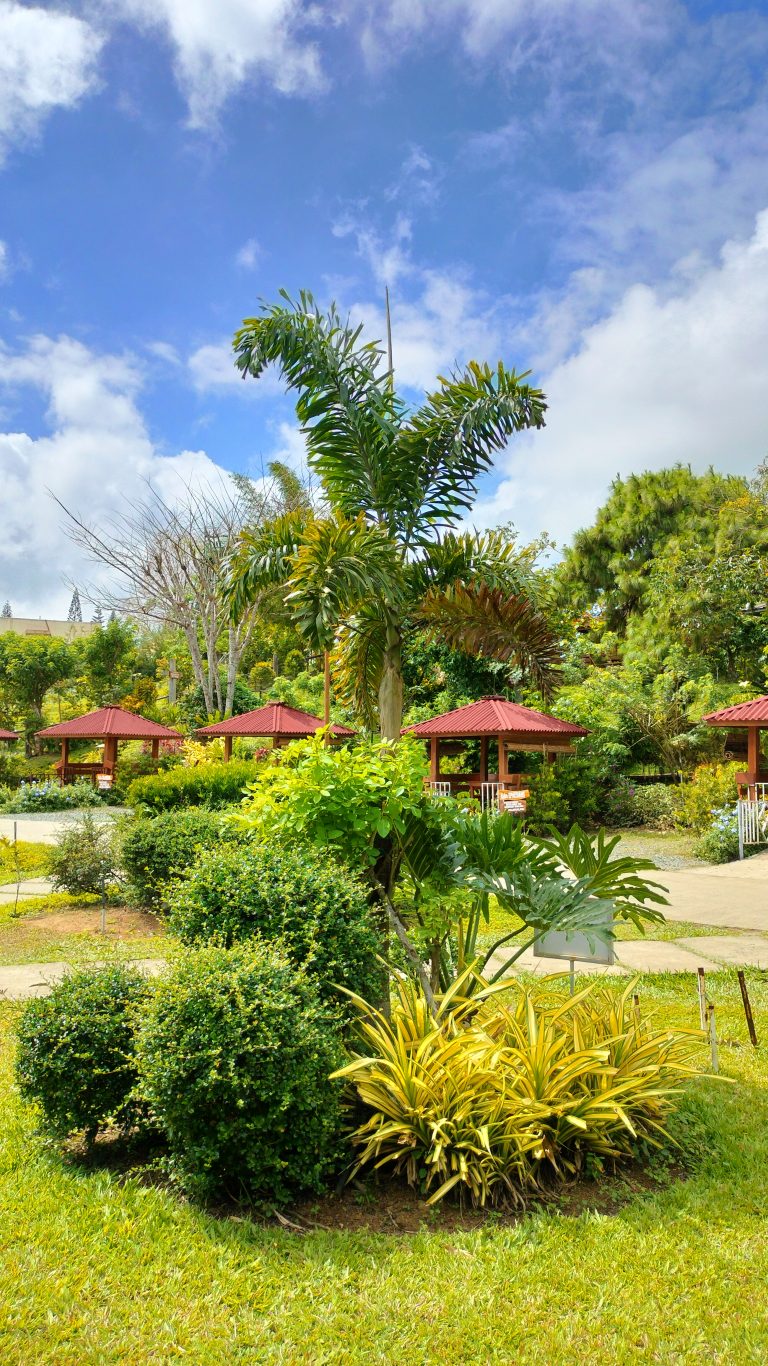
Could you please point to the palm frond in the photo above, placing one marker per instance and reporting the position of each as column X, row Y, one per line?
column 489, row 557
column 358, row 661
column 345, row 403
column 263, row 559
column 339, row 564
column 481, row 620
column 451, row 440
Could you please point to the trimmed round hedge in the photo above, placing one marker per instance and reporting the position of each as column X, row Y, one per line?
column 76, row 1050
column 235, row 1053
column 315, row 906
column 158, row 848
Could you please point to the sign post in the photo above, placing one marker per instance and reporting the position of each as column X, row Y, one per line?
column 574, row 946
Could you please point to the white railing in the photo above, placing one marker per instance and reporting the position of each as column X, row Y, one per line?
column 753, row 820
column 440, row 789
column 489, row 795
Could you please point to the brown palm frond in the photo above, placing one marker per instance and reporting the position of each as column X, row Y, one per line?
column 510, row 628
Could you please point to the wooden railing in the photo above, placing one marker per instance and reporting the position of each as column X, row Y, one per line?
column 70, row 772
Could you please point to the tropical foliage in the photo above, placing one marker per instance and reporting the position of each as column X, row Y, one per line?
column 515, row 1098
column 397, row 483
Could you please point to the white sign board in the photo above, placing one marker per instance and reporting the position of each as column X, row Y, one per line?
column 574, row 945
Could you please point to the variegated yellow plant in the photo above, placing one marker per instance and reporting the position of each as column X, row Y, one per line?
column 501, row 1098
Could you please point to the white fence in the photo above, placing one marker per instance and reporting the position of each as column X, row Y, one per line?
column 753, row 819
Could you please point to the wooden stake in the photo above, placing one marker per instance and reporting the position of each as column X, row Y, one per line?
column 636, row 1005
column 713, row 1037
column 747, row 1008
column 702, row 999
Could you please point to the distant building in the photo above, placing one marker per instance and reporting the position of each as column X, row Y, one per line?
column 44, row 626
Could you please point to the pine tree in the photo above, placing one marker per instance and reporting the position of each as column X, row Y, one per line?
column 98, row 617
column 75, row 612
column 6, row 612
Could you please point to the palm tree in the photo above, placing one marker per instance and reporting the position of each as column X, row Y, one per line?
column 385, row 550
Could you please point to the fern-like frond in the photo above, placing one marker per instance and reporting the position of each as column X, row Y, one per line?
column 488, row 621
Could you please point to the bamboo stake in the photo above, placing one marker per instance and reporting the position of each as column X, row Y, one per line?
column 713, row 1037
column 702, row 999
column 747, row 1007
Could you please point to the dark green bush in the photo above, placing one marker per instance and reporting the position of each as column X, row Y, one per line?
column 84, row 857
column 656, row 805
column 158, row 848
column 235, row 1053
column 211, row 785
column 298, row 894
column 75, row 1055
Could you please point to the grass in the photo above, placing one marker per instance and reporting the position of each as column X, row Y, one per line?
column 24, row 860
column 41, row 934
column 98, row 1267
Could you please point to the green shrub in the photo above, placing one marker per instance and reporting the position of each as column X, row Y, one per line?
column 11, row 766
column 84, row 857
column 75, row 1056
column 720, row 843
column 235, row 1053
column 546, row 804
column 712, row 787
column 158, row 848
column 655, row 805
column 49, row 795
column 516, row 1098
column 298, row 894
column 619, row 808
column 211, row 785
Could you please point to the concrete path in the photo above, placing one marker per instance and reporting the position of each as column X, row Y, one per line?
column 20, row 982
column 28, row 887
column 729, row 895
column 43, row 827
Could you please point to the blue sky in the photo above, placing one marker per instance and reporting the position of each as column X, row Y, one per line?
column 580, row 188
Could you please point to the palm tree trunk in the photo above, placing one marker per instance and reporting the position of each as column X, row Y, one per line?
column 391, row 688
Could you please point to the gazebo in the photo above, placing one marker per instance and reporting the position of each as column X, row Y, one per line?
column 108, row 725
column 277, row 721
column 752, row 717
column 502, row 728
column 8, row 734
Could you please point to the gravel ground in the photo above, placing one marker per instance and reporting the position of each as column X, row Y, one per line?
column 667, row 849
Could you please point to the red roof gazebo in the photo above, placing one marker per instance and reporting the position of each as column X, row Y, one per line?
column 109, row 725
column 277, row 721
column 752, row 717
column 8, row 734
column 513, row 728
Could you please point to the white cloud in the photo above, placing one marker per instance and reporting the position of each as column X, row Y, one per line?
column 47, row 61
column 664, row 377
column 3, row 260
column 97, row 459
column 165, row 352
column 249, row 255
column 212, row 366
column 387, row 261
column 219, row 47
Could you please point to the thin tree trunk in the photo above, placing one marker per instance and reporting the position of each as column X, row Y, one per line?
column 327, row 693
column 391, row 688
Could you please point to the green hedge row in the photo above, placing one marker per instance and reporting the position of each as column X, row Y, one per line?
column 211, row 785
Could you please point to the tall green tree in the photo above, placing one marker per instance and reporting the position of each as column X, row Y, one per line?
column 610, row 563
column 397, row 483
column 29, row 667
column 109, row 661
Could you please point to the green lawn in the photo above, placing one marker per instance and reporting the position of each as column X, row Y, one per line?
column 43, row 932
column 96, row 1267
column 22, row 860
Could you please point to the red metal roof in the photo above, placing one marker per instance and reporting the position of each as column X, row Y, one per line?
column 8, row 734
column 754, row 713
column 96, row 725
column 495, row 716
column 276, row 718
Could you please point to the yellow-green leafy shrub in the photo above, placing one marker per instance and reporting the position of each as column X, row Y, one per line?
column 712, row 787
column 512, row 1099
